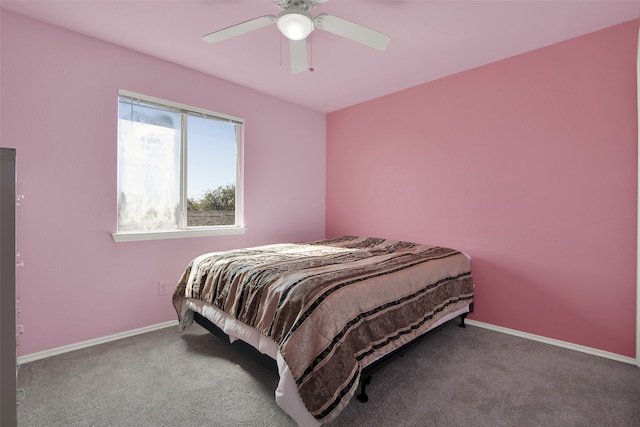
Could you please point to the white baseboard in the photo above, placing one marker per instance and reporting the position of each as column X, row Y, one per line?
column 558, row 343
column 77, row 346
column 67, row 348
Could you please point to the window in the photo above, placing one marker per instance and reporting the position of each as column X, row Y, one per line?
column 179, row 170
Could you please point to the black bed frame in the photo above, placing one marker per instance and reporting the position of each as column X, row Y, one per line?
column 367, row 373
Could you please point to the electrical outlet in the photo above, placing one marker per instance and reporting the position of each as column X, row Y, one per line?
column 163, row 288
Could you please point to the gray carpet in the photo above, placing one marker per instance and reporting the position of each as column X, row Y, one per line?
column 454, row 377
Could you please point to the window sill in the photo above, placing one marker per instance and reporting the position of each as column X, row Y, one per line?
column 135, row 236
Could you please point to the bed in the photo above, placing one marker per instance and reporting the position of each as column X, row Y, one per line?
column 326, row 310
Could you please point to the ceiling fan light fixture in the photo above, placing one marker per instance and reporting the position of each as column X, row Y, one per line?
column 295, row 23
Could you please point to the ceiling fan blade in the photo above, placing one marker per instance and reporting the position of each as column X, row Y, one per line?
column 298, row 56
column 353, row 31
column 238, row 29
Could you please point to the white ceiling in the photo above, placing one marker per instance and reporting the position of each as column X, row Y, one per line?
column 430, row 39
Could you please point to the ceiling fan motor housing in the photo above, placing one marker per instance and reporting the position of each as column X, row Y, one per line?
column 302, row 4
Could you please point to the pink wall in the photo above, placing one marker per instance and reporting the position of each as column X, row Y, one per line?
column 529, row 165
column 59, row 109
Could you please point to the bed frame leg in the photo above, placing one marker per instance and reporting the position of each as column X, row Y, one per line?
column 462, row 317
column 362, row 397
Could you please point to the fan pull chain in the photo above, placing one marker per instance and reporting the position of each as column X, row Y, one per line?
column 311, row 69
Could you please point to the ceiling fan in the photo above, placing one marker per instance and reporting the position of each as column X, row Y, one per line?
column 295, row 23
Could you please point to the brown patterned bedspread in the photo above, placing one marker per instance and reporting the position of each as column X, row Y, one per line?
column 332, row 306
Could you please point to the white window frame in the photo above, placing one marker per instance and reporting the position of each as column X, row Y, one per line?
column 184, row 231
